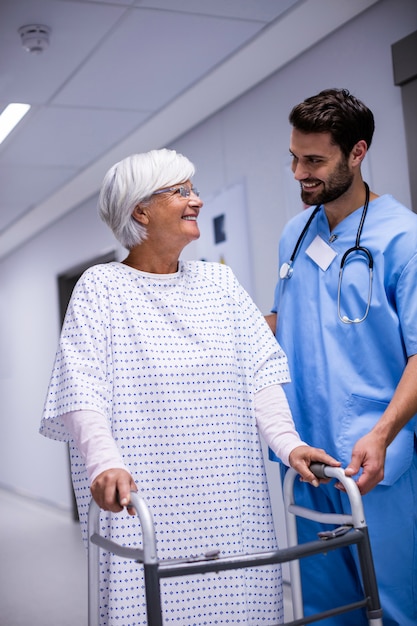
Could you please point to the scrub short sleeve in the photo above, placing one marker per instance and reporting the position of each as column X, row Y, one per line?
column 406, row 298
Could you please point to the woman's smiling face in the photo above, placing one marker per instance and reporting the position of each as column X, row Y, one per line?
column 172, row 217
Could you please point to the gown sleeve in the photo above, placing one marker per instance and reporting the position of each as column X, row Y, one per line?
column 80, row 379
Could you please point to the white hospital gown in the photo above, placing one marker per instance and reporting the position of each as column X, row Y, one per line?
column 173, row 361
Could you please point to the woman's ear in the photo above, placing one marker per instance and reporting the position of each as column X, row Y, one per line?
column 140, row 214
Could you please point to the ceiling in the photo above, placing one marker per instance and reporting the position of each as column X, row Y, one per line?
column 123, row 76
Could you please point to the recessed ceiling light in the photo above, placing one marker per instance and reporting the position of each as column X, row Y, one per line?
column 10, row 117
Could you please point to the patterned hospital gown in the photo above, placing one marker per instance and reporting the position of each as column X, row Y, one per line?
column 173, row 362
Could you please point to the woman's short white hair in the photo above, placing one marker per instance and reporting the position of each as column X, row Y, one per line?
column 133, row 180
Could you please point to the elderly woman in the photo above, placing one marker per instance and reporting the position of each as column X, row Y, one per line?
column 164, row 374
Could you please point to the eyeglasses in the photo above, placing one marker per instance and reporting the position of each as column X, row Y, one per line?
column 184, row 191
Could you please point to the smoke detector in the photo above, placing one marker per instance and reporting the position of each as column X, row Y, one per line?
column 35, row 38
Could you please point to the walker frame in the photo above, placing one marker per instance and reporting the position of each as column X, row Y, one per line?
column 355, row 533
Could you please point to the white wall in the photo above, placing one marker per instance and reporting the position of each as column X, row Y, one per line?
column 247, row 140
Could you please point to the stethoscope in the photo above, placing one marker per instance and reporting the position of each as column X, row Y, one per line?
column 286, row 269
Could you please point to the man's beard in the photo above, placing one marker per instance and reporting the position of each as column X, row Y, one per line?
column 337, row 185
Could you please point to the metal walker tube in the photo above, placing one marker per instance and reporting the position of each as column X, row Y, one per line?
column 356, row 520
column 146, row 555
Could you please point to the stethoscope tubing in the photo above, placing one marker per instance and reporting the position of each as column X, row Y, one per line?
column 286, row 269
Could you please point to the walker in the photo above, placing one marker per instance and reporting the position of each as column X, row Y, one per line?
column 352, row 529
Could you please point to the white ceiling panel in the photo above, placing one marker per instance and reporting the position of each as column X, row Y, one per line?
column 151, row 57
column 76, row 30
column 23, row 187
column 256, row 10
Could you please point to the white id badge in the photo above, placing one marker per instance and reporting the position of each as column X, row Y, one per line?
column 321, row 253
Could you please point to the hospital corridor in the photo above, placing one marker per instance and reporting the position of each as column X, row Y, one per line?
column 173, row 172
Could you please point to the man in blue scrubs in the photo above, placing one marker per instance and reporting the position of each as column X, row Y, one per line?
column 350, row 335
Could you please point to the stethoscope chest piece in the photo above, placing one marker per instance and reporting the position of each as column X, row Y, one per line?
column 286, row 270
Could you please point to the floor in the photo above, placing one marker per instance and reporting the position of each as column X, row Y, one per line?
column 43, row 566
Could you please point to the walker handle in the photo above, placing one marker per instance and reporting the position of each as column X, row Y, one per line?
column 318, row 469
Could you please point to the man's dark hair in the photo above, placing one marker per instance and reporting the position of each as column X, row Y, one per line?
column 337, row 112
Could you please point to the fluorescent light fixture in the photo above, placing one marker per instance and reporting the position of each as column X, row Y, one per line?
column 10, row 117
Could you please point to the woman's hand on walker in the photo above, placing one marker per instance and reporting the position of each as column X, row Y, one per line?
column 303, row 456
column 111, row 490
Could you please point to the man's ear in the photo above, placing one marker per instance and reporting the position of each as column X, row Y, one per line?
column 359, row 151
column 140, row 214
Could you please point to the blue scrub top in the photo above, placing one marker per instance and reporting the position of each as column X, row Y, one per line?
column 344, row 375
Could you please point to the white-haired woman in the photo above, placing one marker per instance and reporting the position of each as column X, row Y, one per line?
column 165, row 371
